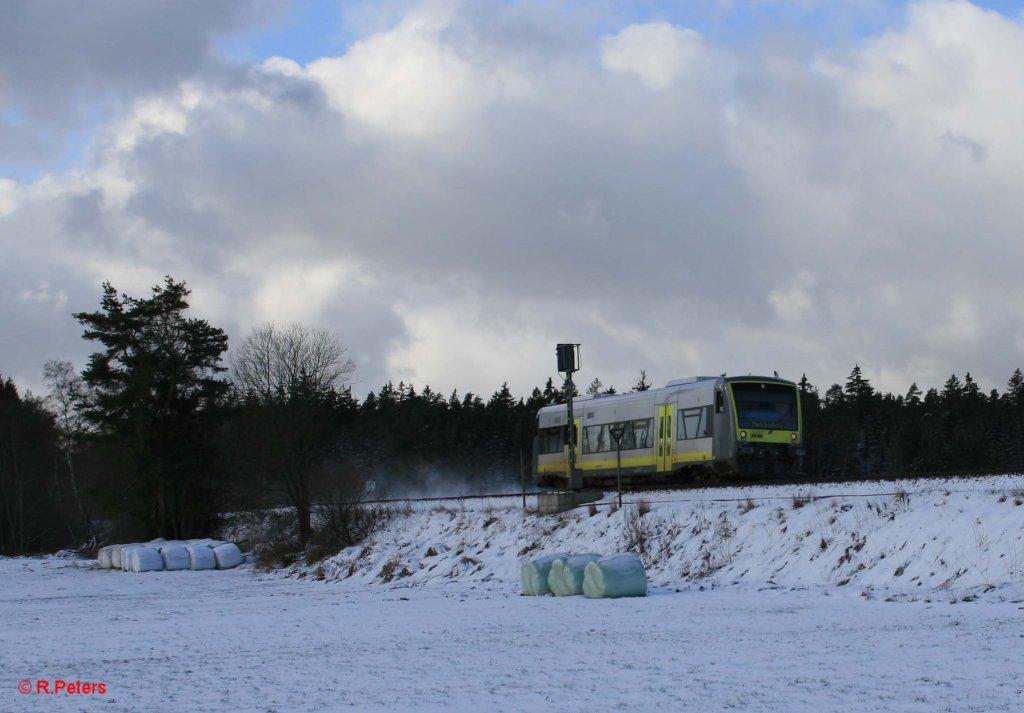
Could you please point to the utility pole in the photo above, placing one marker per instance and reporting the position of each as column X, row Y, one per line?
column 617, row 430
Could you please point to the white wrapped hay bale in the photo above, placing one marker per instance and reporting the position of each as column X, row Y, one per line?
column 228, row 555
column 566, row 576
column 175, row 556
column 126, row 556
column 115, row 556
column 533, row 574
column 615, row 576
column 103, row 557
column 200, row 557
column 146, row 559
column 205, row 541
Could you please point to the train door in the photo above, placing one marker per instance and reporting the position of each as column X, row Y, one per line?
column 665, row 436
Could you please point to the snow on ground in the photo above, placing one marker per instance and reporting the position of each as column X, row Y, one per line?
column 922, row 538
column 788, row 605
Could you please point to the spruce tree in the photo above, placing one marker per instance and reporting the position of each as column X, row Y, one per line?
column 642, row 384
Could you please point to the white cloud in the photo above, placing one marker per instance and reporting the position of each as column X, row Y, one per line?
column 794, row 303
column 953, row 72
column 9, row 192
column 407, row 80
column 657, row 53
column 960, row 324
column 45, row 294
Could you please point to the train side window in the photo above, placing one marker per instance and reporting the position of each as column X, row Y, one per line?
column 719, row 402
column 642, row 433
column 551, row 440
column 635, row 434
column 694, row 423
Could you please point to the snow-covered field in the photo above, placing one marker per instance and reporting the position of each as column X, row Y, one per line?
column 866, row 597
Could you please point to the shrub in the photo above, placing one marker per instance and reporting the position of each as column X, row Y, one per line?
column 343, row 524
column 902, row 499
column 281, row 552
column 638, row 532
column 336, row 526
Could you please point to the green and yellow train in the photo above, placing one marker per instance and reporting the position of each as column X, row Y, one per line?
column 701, row 428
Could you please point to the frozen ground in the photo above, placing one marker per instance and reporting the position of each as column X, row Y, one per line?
column 818, row 634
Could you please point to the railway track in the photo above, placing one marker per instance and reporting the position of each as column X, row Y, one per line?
column 634, row 486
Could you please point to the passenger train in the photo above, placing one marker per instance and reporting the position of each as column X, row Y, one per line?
column 701, row 428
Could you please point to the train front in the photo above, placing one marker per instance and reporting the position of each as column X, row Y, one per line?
column 764, row 427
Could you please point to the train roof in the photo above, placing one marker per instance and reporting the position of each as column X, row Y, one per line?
column 673, row 386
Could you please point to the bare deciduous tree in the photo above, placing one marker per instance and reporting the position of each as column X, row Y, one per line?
column 273, row 360
column 291, row 377
column 66, row 389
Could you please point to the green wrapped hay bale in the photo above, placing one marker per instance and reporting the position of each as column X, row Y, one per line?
column 615, row 576
column 533, row 574
column 566, row 576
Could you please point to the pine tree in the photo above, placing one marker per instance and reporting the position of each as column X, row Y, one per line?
column 1013, row 427
column 971, row 390
column 151, row 391
column 502, row 399
column 858, row 389
column 642, row 384
column 551, row 394
column 1015, row 388
column 952, row 390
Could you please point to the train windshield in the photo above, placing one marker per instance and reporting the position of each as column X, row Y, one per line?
column 771, row 406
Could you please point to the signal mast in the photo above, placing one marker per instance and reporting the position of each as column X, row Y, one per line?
column 568, row 363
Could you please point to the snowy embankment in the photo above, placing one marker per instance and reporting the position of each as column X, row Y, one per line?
column 912, row 538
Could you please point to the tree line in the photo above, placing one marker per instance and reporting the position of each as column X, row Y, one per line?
column 856, row 431
column 157, row 436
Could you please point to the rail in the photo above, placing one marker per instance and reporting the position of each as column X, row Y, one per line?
column 682, row 487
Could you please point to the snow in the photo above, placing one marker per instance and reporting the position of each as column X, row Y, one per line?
column 896, row 597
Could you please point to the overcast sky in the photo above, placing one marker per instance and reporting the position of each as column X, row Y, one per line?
column 455, row 187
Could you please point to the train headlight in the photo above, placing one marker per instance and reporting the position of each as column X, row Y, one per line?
column 792, row 436
column 743, row 435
